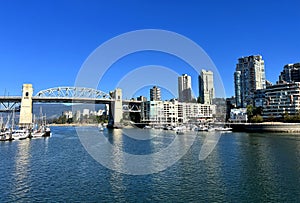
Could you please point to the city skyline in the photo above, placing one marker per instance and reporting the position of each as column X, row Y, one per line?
column 45, row 43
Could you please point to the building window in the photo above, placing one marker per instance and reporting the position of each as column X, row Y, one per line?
column 26, row 94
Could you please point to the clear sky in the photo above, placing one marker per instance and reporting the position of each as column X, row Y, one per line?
column 46, row 42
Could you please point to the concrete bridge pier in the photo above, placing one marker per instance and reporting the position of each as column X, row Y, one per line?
column 116, row 109
column 26, row 106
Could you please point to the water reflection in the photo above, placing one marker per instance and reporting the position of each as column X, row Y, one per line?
column 22, row 180
column 117, row 158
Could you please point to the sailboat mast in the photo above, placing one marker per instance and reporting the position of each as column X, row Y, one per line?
column 13, row 120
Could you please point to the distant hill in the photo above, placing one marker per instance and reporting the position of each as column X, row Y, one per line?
column 50, row 110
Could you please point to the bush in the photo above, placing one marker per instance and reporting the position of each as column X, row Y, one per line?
column 256, row 119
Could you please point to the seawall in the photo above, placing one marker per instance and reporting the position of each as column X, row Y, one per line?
column 266, row 127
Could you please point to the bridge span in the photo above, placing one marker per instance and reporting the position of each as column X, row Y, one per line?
column 80, row 95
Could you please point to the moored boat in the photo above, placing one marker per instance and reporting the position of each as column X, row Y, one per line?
column 20, row 134
column 6, row 136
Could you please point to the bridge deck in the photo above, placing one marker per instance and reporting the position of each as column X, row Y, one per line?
column 63, row 100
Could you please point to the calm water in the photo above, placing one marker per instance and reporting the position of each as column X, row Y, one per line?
column 242, row 168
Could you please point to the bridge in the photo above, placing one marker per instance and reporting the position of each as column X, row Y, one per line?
column 82, row 95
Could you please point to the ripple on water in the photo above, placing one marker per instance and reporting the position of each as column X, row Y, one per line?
column 241, row 167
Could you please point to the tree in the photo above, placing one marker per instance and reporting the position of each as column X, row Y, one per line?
column 256, row 119
column 254, row 114
column 250, row 111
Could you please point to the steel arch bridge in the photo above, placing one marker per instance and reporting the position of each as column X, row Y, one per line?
column 73, row 92
column 69, row 95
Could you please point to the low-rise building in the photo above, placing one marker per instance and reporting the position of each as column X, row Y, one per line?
column 68, row 114
column 173, row 112
column 86, row 112
column 238, row 115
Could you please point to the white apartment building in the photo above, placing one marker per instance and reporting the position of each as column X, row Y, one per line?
column 68, row 114
column 238, row 115
column 174, row 112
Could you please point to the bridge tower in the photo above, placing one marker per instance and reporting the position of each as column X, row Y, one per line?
column 26, row 106
column 116, row 109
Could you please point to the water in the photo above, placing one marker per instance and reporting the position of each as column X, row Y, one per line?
column 242, row 168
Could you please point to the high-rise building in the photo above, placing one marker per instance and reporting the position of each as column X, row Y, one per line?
column 248, row 77
column 184, row 88
column 290, row 73
column 206, row 87
column 155, row 94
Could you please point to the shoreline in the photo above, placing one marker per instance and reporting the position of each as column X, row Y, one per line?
column 74, row 124
column 272, row 127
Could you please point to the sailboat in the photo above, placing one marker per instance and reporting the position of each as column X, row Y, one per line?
column 5, row 133
column 42, row 130
column 19, row 134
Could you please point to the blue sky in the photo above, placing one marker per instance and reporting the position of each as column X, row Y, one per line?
column 46, row 42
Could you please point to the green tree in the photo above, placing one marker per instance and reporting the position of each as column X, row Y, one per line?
column 61, row 120
column 256, row 119
column 250, row 111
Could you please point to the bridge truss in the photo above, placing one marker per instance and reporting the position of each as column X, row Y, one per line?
column 72, row 92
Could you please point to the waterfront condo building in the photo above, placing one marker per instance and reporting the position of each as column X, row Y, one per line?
column 290, row 73
column 184, row 88
column 281, row 99
column 155, row 94
column 173, row 112
column 248, row 77
column 206, row 87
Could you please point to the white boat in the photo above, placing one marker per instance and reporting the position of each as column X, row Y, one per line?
column 39, row 132
column 47, row 131
column 6, row 136
column 202, row 128
column 147, row 127
column 179, row 131
column 158, row 127
column 20, row 134
column 43, row 130
column 100, row 127
column 223, row 129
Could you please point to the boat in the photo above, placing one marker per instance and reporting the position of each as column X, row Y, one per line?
column 20, row 134
column 147, row 127
column 43, row 130
column 6, row 136
column 202, row 128
column 225, row 129
column 38, row 132
column 47, row 131
column 158, row 127
column 179, row 131
column 100, row 127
